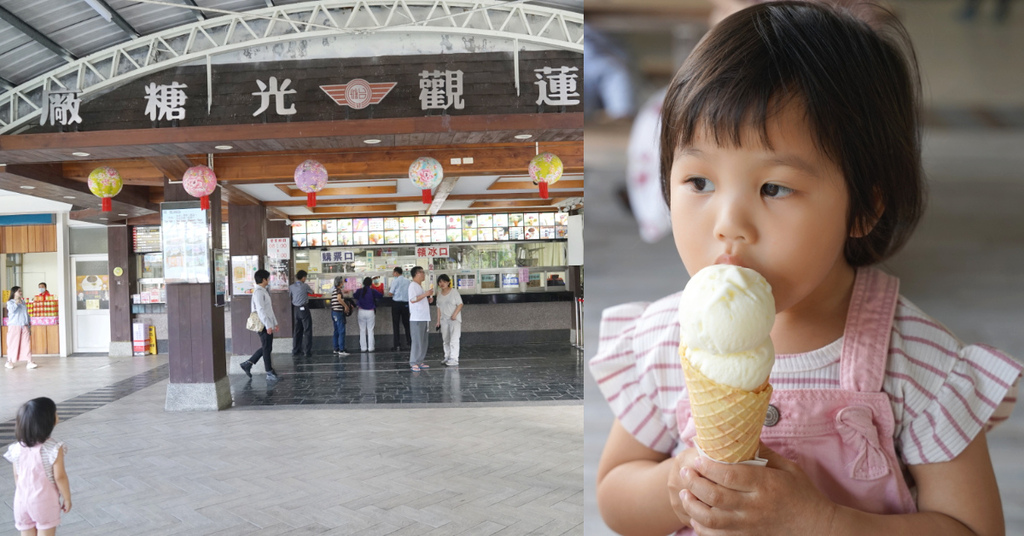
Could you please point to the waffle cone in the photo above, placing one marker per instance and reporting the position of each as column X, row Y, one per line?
column 728, row 419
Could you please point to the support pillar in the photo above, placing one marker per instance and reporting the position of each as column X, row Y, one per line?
column 119, row 248
column 195, row 332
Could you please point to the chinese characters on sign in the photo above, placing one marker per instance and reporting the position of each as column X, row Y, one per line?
column 166, row 101
column 337, row 256
column 60, row 107
column 557, row 86
column 266, row 92
column 441, row 89
column 432, row 251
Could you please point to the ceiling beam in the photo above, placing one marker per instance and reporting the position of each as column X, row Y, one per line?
column 529, row 185
column 396, row 214
column 413, row 199
column 351, row 190
column 36, row 35
column 4, row 84
column 198, row 12
column 441, row 195
column 517, row 204
column 353, row 208
column 172, row 167
column 114, row 17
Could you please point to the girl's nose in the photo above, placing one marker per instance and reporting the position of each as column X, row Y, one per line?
column 734, row 223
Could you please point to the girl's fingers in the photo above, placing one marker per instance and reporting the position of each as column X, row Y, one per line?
column 707, row 491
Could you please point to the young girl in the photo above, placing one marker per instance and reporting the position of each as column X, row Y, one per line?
column 41, row 485
column 449, row 319
column 790, row 145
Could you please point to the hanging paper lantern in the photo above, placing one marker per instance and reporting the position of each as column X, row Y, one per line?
column 310, row 177
column 545, row 169
column 426, row 173
column 105, row 182
column 200, row 181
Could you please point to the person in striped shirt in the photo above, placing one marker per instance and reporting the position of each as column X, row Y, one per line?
column 790, row 144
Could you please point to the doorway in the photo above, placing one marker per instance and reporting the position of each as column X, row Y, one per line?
column 91, row 312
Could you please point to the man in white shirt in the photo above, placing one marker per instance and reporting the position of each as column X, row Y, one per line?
column 262, row 306
column 419, row 318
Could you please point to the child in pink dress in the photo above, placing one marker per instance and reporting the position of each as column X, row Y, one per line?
column 790, row 145
column 42, row 490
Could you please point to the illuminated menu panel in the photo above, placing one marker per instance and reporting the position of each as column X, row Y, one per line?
column 146, row 239
column 451, row 228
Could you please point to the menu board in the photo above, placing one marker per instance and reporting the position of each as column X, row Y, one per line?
column 243, row 270
column 185, row 245
column 445, row 229
column 146, row 239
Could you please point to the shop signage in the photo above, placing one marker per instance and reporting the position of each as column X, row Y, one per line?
column 432, row 251
column 337, row 256
column 311, row 90
column 146, row 239
column 277, row 248
column 185, row 244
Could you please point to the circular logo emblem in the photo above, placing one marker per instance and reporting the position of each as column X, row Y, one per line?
column 358, row 93
column 118, row 271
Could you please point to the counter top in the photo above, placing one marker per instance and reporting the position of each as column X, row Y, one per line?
column 497, row 297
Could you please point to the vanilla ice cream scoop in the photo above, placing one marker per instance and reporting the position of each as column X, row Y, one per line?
column 726, row 314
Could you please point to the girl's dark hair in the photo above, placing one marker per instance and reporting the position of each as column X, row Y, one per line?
column 14, row 289
column 35, row 421
column 445, row 278
column 858, row 86
column 367, row 281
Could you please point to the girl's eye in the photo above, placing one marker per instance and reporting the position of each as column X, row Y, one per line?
column 776, row 191
column 700, row 184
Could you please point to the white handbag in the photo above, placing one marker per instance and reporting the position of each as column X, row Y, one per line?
column 254, row 323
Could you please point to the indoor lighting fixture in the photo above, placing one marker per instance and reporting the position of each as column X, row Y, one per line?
column 122, row 215
column 371, row 141
column 223, row 147
column 79, row 154
column 523, row 136
column 26, row 187
column 104, row 219
column 69, row 197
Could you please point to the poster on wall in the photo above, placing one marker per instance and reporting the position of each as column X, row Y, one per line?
column 185, row 236
column 220, row 270
column 278, row 269
column 93, row 292
column 277, row 248
column 243, row 268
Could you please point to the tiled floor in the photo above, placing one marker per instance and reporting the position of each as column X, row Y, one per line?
column 428, row 464
column 544, row 373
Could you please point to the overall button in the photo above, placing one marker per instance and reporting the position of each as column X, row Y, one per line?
column 772, row 417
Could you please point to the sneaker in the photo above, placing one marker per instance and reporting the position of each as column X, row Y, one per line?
column 247, row 367
column 271, row 376
column 452, row 363
column 8, row 364
column 32, row 365
column 342, row 353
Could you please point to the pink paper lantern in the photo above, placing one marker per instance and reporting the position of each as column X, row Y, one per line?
column 426, row 173
column 310, row 177
column 200, row 181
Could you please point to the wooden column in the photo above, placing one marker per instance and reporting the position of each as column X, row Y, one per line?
column 247, row 236
column 119, row 246
column 195, row 332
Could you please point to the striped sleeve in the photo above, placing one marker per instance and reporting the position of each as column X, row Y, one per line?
column 625, row 380
column 944, row 393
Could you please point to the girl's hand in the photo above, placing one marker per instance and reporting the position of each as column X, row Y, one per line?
column 723, row 499
column 66, row 507
column 676, row 483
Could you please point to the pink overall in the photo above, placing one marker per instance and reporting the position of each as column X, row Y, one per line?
column 843, row 438
column 36, row 499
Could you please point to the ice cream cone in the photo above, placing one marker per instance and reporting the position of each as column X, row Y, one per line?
column 728, row 419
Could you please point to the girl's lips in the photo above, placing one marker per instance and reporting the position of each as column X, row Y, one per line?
column 730, row 259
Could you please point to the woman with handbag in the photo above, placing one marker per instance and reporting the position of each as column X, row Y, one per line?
column 366, row 298
column 265, row 322
column 339, row 310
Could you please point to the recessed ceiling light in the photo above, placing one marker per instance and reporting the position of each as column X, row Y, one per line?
column 223, row 147
column 122, row 214
column 371, row 141
column 523, row 136
column 69, row 197
column 104, row 219
column 26, row 187
column 79, row 154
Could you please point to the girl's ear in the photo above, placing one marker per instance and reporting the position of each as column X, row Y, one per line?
column 865, row 224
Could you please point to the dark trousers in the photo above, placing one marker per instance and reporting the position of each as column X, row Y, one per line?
column 399, row 317
column 266, row 344
column 302, row 328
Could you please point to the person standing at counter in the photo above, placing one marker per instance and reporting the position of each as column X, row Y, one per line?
column 399, row 292
column 339, row 310
column 261, row 306
column 43, row 293
column 19, row 341
column 449, row 319
column 302, row 319
column 419, row 317
column 366, row 299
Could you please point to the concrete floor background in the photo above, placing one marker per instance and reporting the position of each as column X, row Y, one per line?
column 963, row 266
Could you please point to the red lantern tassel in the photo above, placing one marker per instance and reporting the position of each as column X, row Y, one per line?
column 427, row 198
column 204, row 202
column 543, row 190
column 106, row 203
column 311, row 199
